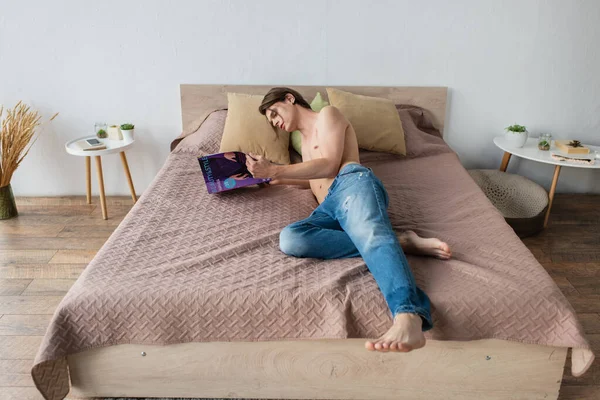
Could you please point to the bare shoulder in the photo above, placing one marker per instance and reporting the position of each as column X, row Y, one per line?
column 331, row 115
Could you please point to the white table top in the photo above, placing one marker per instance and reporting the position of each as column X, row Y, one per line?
column 112, row 146
column 531, row 152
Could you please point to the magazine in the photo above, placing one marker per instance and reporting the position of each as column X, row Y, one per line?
column 227, row 171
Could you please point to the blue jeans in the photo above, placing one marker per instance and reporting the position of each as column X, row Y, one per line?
column 352, row 221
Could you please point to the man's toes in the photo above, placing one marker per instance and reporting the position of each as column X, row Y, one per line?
column 378, row 346
column 442, row 254
column 444, row 246
column 394, row 346
column 404, row 347
column 369, row 345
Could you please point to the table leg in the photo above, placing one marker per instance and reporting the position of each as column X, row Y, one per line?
column 551, row 194
column 88, row 179
column 126, row 167
column 101, row 184
column 505, row 161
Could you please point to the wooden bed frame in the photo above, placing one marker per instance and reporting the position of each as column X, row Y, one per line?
column 318, row 369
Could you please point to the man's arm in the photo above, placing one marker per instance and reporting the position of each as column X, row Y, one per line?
column 332, row 126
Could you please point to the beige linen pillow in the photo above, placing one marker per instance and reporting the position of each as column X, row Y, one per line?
column 375, row 121
column 247, row 130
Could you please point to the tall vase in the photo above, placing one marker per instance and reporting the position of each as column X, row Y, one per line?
column 8, row 207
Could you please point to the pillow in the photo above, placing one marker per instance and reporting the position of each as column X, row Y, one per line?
column 296, row 137
column 248, row 131
column 422, row 119
column 207, row 138
column 375, row 121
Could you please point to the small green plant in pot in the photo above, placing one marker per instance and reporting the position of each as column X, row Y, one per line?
column 544, row 141
column 101, row 134
column 127, row 131
column 516, row 135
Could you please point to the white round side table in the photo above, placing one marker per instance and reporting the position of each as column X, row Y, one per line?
column 112, row 146
column 530, row 151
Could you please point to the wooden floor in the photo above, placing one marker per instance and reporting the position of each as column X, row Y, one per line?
column 43, row 251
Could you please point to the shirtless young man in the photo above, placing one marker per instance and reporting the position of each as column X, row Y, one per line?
column 351, row 219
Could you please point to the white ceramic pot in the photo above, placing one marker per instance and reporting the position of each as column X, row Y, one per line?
column 516, row 139
column 127, row 135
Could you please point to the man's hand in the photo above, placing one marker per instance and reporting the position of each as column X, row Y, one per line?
column 260, row 167
column 230, row 156
column 239, row 177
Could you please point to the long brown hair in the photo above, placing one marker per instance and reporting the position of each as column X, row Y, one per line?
column 277, row 94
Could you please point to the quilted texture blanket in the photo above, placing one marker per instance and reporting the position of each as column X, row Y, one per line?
column 186, row 266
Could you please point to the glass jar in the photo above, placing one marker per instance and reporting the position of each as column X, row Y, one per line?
column 100, row 129
column 544, row 141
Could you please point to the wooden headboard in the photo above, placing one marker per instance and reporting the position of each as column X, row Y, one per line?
column 197, row 100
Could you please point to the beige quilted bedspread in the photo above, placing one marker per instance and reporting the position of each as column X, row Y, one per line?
column 186, row 266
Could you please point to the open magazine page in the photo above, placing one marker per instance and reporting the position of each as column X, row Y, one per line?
column 227, row 171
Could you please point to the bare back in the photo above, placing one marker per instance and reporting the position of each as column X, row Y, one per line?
column 311, row 150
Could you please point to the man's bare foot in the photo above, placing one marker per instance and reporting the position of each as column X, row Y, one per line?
column 405, row 335
column 414, row 244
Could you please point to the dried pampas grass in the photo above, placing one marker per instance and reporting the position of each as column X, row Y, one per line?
column 16, row 138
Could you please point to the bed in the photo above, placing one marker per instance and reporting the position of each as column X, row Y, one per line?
column 191, row 297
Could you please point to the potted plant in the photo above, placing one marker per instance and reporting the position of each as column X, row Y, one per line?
column 100, row 128
column 101, row 134
column 544, row 141
column 17, row 135
column 516, row 135
column 127, row 131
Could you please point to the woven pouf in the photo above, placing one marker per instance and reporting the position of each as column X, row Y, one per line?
column 522, row 202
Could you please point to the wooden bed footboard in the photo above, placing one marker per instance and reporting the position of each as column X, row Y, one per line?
column 320, row 369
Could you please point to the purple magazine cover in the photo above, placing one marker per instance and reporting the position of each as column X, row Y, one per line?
column 227, row 171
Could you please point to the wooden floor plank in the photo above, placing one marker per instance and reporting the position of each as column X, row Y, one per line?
column 113, row 211
column 24, row 325
column 575, row 256
column 21, row 393
column 23, row 230
column 75, row 243
column 16, row 366
column 579, row 393
column 26, row 210
column 573, row 269
column 77, row 220
column 564, row 285
column 19, row 347
column 41, row 271
column 590, row 322
column 12, row 256
column 585, row 285
column 14, row 379
column 28, row 304
column 589, row 303
column 13, row 287
column 71, row 201
column 73, row 257
column 87, row 231
column 539, row 254
column 48, row 287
